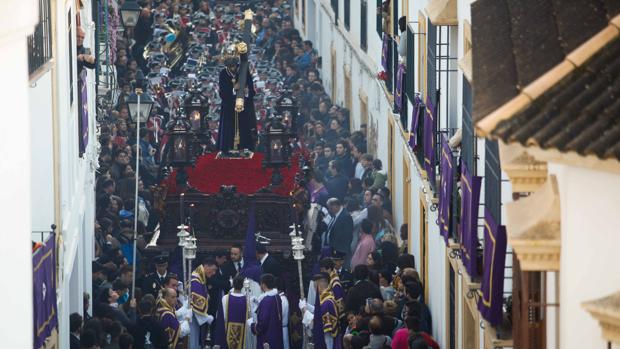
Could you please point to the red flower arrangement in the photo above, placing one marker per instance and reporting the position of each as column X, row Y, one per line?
column 382, row 75
column 247, row 175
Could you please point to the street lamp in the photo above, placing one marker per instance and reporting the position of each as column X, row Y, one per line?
column 179, row 152
column 197, row 108
column 287, row 106
column 130, row 12
column 297, row 245
column 277, row 151
column 140, row 105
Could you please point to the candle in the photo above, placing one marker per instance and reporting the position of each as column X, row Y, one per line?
column 181, row 208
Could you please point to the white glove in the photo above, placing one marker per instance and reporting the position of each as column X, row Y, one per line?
column 185, row 329
column 249, row 322
column 307, row 319
column 310, row 308
column 302, row 304
column 209, row 319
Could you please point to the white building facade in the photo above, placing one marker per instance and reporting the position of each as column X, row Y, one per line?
column 50, row 181
column 350, row 65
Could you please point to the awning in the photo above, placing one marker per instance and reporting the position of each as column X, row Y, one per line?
column 534, row 228
column 465, row 64
column 442, row 12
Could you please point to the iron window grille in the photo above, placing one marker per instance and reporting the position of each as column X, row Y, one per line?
column 379, row 19
column 347, row 14
column 40, row 42
column 469, row 141
column 364, row 24
column 334, row 4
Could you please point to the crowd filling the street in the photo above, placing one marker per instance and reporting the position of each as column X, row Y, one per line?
column 360, row 285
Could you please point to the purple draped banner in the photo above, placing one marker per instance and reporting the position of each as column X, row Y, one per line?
column 44, row 291
column 385, row 52
column 492, row 285
column 415, row 121
column 445, row 194
column 429, row 142
column 468, row 229
column 398, row 94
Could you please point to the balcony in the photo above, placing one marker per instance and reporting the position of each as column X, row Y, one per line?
column 40, row 42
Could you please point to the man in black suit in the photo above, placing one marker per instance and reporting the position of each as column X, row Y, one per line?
column 75, row 326
column 337, row 185
column 235, row 264
column 340, row 230
column 361, row 291
column 268, row 264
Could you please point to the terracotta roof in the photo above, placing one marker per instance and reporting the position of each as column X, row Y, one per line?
column 581, row 113
column 517, row 41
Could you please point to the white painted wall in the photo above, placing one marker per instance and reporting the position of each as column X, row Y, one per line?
column 589, row 206
column 17, row 20
column 42, row 153
column 364, row 66
column 47, row 105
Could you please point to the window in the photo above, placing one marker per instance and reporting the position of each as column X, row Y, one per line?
column 446, row 70
column 40, row 42
column 364, row 24
column 334, row 4
column 334, row 71
column 422, row 55
column 70, row 32
column 493, row 180
column 363, row 109
column 410, row 64
column 347, row 14
column 379, row 17
column 348, row 102
column 441, row 80
column 468, row 143
column 303, row 13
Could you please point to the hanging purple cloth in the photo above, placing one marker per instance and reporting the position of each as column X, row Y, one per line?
column 384, row 52
column 415, row 121
column 445, row 192
column 429, row 142
column 492, row 286
column 45, row 312
column 470, row 198
column 398, row 94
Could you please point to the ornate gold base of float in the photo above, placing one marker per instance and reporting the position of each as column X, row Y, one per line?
column 235, row 154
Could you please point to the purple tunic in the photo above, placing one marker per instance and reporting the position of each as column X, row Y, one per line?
column 200, row 296
column 168, row 320
column 268, row 328
column 231, row 333
column 338, row 292
column 329, row 315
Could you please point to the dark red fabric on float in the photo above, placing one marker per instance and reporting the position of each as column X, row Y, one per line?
column 247, row 175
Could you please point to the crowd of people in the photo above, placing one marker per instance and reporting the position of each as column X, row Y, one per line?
column 365, row 290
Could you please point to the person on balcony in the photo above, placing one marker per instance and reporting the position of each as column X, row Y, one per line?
column 84, row 58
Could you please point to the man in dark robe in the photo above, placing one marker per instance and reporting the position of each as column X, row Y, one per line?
column 200, row 301
column 323, row 315
column 328, row 266
column 166, row 312
column 268, row 326
column 228, row 83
